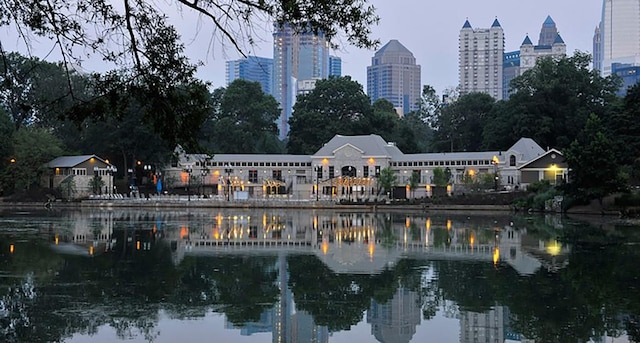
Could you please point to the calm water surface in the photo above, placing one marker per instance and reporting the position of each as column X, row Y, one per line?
column 308, row 276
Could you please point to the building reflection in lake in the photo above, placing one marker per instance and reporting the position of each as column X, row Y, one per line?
column 349, row 243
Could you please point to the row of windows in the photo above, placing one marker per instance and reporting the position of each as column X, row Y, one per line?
column 253, row 164
column 441, row 163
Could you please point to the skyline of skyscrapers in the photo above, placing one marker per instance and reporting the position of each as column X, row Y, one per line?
column 481, row 53
column 395, row 76
column 302, row 59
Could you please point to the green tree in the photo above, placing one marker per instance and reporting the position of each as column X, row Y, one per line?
column 387, row 180
column 33, row 147
column 242, row 120
column 414, row 180
column 37, row 92
column 96, row 183
column 413, row 134
column 551, row 102
column 337, row 105
column 441, row 177
column 593, row 173
column 623, row 129
column 460, row 124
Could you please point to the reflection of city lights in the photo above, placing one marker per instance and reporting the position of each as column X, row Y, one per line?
column 407, row 222
column 372, row 249
column 137, row 245
column 11, row 248
column 325, row 247
column 496, row 255
column 448, row 224
column 472, row 240
column 315, row 222
column 91, row 250
column 428, row 224
column 184, row 232
column 57, row 240
column 554, row 248
column 216, row 233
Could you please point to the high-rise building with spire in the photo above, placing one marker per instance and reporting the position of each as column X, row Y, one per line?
column 297, row 56
column 395, row 76
column 517, row 62
column 620, row 33
column 597, row 48
column 548, row 32
column 480, row 61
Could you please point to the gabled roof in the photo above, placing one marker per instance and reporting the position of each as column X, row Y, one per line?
column 550, row 151
column 466, row 24
column 558, row 40
column 370, row 145
column 393, row 46
column 496, row 23
column 71, row 161
column 526, row 41
column 528, row 148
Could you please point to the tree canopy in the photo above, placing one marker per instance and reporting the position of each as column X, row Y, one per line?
column 242, row 120
column 144, row 46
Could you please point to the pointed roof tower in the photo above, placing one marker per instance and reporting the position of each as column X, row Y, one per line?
column 549, row 22
column 496, row 23
column 558, row 40
column 526, row 41
column 548, row 32
column 466, row 25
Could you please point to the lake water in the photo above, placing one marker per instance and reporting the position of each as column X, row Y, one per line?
column 314, row 276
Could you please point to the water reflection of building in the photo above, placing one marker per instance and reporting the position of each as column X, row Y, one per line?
column 352, row 242
column 485, row 327
column 286, row 324
column 395, row 321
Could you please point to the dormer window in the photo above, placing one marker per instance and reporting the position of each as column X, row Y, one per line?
column 512, row 160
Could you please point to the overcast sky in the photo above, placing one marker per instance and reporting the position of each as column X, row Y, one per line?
column 427, row 28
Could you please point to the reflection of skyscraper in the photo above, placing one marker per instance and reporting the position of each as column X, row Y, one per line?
column 296, row 56
column 396, row 320
column 482, row 327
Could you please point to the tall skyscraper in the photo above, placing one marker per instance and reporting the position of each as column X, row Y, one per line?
column 335, row 66
column 597, row 48
column 620, row 33
column 251, row 68
column 517, row 62
column 296, row 56
column 480, row 61
column 395, row 76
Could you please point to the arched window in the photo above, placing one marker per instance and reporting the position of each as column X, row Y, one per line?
column 512, row 161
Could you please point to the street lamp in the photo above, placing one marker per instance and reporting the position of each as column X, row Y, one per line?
column 188, row 170
column 228, row 170
column 495, row 172
column 203, row 173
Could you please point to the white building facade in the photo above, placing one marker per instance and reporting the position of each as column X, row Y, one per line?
column 346, row 167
